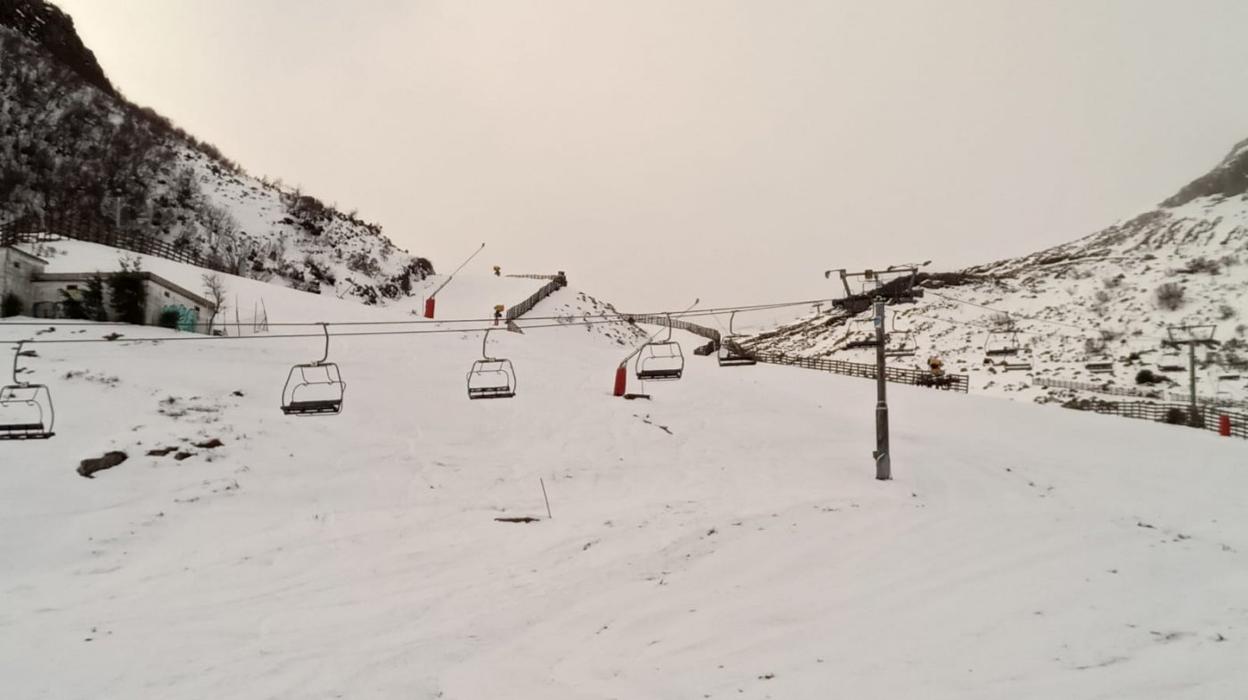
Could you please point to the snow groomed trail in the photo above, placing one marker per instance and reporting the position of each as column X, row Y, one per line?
column 726, row 539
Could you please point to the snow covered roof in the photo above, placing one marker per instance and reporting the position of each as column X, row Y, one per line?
column 29, row 256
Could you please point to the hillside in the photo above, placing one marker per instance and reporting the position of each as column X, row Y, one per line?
column 725, row 539
column 73, row 152
column 1108, row 297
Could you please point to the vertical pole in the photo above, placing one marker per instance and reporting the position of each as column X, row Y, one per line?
column 545, row 498
column 1194, row 417
column 883, row 463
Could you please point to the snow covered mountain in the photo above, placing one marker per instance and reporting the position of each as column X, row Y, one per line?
column 726, row 539
column 74, row 152
column 1105, row 298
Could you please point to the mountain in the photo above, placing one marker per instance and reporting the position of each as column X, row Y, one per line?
column 73, row 149
column 1105, row 298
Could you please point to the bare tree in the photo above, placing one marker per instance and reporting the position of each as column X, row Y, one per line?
column 219, row 225
column 214, row 289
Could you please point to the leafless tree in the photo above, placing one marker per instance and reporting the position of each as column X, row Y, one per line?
column 219, row 225
column 214, row 289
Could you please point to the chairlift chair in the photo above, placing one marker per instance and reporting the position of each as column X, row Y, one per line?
column 26, row 411
column 867, row 338
column 660, row 360
column 1008, row 346
column 899, row 343
column 491, row 377
column 730, row 353
column 314, row 388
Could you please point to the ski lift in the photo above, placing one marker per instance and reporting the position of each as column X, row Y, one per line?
column 26, row 411
column 491, row 377
column 730, row 353
column 861, row 334
column 660, row 360
column 900, row 343
column 314, row 388
column 1006, row 347
column 1008, row 344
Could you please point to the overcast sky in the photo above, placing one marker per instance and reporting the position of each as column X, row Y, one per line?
column 659, row 150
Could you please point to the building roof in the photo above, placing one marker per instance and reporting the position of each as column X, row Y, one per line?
column 24, row 254
column 147, row 276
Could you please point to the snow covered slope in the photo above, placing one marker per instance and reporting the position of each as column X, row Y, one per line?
column 723, row 540
column 1106, row 297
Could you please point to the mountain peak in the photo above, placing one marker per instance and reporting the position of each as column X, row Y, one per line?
column 1228, row 179
column 49, row 27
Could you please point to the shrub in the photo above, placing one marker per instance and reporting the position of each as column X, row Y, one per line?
column 1176, row 416
column 1113, row 282
column 1203, row 264
column 129, row 298
column 11, row 305
column 1227, row 312
column 90, row 305
column 1170, row 296
column 169, row 318
column 1148, row 377
column 1101, row 296
column 361, row 262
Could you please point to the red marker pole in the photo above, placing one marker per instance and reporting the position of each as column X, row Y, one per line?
column 1224, row 425
column 621, row 380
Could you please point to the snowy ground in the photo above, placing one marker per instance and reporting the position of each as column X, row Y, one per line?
column 723, row 540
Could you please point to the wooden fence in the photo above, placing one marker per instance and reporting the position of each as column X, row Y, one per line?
column 661, row 320
column 896, row 375
column 1207, row 417
column 1134, row 392
column 56, row 229
column 556, row 283
column 536, row 277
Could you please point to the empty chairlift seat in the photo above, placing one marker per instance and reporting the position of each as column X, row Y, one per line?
column 731, row 354
column 491, row 377
column 26, row 411
column 660, row 361
column 900, row 344
column 1002, row 344
column 314, row 388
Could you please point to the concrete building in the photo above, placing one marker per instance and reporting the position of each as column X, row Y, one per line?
column 17, row 271
column 43, row 294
